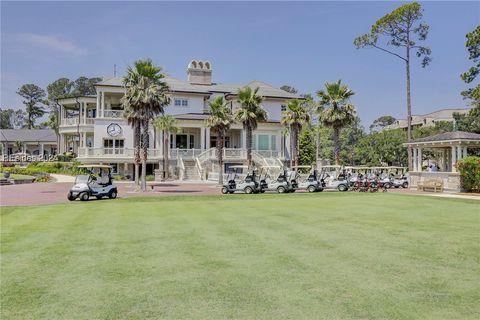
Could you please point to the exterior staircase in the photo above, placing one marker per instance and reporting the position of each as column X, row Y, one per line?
column 191, row 171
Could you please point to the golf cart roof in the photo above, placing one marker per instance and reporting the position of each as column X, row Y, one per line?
column 243, row 167
column 95, row 166
column 333, row 166
column 301, row 166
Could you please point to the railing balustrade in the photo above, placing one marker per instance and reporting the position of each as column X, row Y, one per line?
column 75, row 121
column 112, row 113
column 113, row 152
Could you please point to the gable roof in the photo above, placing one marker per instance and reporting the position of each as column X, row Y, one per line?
column 448, row 136
column 29, row 135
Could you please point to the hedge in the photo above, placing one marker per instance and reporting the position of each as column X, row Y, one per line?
column 469, row 169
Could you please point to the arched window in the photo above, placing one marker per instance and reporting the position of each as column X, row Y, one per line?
column 200, row 64
column 207, row 65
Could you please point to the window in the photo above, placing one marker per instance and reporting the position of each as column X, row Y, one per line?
column 254, row 141
column 273, row 144
column 113, row 146
column 192, row 142
column 181, row 102
column 283, row 107
column 263, row 142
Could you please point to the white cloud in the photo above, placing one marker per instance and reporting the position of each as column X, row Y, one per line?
column 51, row 42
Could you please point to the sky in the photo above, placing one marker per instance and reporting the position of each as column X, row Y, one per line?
column 302, row 44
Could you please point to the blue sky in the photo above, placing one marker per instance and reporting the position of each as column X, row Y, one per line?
column 302, row 44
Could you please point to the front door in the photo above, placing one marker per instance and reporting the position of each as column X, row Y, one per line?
column 181, row 141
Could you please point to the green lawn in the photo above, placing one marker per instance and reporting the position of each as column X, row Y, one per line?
column 15, row 176
column 299, row 256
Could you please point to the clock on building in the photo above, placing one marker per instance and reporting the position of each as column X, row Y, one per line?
column 114, row 130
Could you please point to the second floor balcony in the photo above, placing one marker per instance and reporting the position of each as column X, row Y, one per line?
column 75, row 121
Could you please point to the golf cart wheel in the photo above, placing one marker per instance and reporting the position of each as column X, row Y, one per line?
column 84, row 196
column 281, row 189
column 311, row 189
column 70, row 197
column 396, row 187
column 388, row 185
column 342, row 188
column 112, row 194
column 405, row 185
column 248, row 190
column 224, row 190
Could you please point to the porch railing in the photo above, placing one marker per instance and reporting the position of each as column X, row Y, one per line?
column 114, row 152
column 186, row 154
column 75, row 121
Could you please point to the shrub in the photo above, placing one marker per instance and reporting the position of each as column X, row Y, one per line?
column 119, row 177
column 469, row 168
column 44, row 179
column 150, row 178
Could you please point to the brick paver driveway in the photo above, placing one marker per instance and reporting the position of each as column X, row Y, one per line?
column 49, row 193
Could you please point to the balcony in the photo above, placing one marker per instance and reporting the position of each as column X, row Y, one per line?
column 114, row 153
column 75, row 121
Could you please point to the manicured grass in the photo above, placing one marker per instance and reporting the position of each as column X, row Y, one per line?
column 15, row 176
column 300, row 256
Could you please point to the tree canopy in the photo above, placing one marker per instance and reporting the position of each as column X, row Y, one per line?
column 473, row 47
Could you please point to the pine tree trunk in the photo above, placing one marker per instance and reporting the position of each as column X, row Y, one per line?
column 249, row 146
column 336, row 145
column 409, row 105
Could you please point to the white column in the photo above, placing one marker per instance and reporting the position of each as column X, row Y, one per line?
column 41, row 149
column 84, row 113
column 207, row 138
column 98, row 104
column 465, row 153
column 454, row 158
column 459, row 153
column 414, row 159
column 243, row 136
column 103, row 104
column 202, row 138
column 84, row 142
column 60, row 115
column 420, row 162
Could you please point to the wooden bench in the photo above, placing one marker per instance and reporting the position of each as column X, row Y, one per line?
column 430, row 185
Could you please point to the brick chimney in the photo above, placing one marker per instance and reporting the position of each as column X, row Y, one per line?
column 199, row 72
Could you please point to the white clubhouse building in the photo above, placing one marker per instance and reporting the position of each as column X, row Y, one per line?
column 93, row 127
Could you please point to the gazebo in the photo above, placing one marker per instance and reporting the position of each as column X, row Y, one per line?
column 445, row 149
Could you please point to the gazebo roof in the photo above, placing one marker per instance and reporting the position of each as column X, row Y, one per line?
column 450, row 137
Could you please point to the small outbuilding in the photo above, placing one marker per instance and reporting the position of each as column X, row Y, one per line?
column 435, row 158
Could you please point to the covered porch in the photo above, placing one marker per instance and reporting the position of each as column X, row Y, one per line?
column 435, row 158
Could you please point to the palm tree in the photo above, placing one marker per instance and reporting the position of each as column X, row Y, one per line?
column 337, row 113
column 167, row 124
column 249, row 113
column 220, row 119
column 134, row 120
column 147, row 95
column 293, row 120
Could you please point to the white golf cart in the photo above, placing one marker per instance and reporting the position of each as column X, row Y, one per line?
column 334, row 178
column 247, row 184
column 281, row 184
column 96, row 182
column 308, row 181
column 400, row 178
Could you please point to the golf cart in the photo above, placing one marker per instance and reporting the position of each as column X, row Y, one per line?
column 333, row 177
column 400, row 178
column 235, row 182
column 282, row 184
column 97, row 182
column 308, row 182
column 385, row 179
